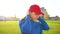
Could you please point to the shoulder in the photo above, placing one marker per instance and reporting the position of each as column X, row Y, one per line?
column 21, row 22
column 23, row 19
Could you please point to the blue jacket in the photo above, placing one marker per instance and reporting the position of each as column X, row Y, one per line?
column 28, row 26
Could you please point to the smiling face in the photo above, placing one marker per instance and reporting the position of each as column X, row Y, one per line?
column 33, row 15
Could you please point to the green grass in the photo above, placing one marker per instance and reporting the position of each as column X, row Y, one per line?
column 9, row 27
column 12, row 27
column 54, row 27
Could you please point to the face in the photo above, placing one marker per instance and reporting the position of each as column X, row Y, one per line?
column 33, row 15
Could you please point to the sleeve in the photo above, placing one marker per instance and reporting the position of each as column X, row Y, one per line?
column 43, row 24
column 26, row 26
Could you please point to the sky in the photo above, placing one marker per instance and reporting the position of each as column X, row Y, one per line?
column 10, row 8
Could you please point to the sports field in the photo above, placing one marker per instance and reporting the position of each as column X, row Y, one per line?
column 12, row 27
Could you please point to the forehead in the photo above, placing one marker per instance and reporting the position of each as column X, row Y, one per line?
column 35, row 13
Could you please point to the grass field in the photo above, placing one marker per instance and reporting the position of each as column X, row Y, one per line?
column 54, row 27
column 12, row 27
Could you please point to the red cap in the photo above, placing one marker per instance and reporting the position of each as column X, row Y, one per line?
column 36, row 9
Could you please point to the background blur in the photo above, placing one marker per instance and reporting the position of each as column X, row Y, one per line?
column 11, row 11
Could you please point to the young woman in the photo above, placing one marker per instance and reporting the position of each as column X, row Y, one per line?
column 33, row 23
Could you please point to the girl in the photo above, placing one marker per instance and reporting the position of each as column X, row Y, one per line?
column 33, row 23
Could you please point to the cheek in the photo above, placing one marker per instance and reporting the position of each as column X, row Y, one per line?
column 35, row 16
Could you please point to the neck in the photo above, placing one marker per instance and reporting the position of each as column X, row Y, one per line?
column 33, row 19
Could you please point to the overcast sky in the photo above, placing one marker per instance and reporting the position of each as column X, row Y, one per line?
column 19, row 8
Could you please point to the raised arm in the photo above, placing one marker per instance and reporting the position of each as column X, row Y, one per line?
column 26, row 26
column 44, row 24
